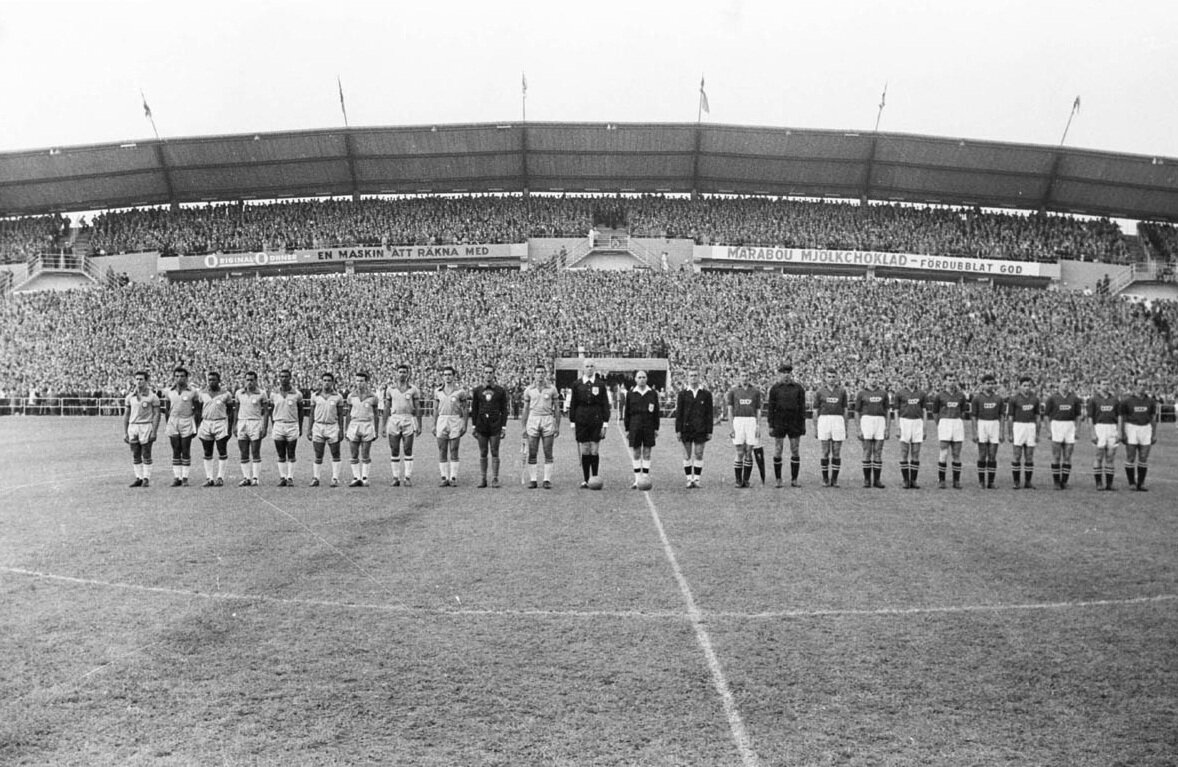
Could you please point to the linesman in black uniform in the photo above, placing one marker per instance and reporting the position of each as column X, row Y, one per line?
column 589, row 410
column 787, row 420
column 488, row 413
column 695, row 418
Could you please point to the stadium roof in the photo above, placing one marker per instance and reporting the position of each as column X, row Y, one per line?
column 588, row 158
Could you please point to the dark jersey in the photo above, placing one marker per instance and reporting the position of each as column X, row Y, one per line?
column 787, row 409
column 1064, row 407
column 910, row 403
column 744, row 401
column 694, row 415
column 1103, row 409
column 986, row 407
column 1023, row 408
column 872, row 402
column 488, row 409
column 831, row 401
column 950, row 404
column 641, row 410
column 1138, row 410
column 589, row 403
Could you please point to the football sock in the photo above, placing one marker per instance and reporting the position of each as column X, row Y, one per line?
column 547, row 471
column 1065, row 473
column 956, row 471
column 777, row 462
column 532, row 469
column 1055, row 475
column 867, row 471
column 1016, row 472
column 586, row 467
column 825, row 464
column 738, row 471
column 795, row 466
column 1108, row 479
column 454, row 470
column 495, row 466
column 395, row 465
column 407, row 464
column 981, row 472
column 905, row 472
column 836, row 465
column 1141, row 469
column 941, row 466
column 335, row 469
column 355, row 465
column 913, row 467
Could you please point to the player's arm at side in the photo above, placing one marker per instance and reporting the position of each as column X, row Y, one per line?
column 382, row 414
column 267, row 410
column 126, row 420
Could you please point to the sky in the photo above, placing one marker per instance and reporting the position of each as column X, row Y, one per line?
column 72, row 72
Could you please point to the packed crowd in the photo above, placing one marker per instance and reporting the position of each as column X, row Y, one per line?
column 28, row 236
column 720, row 323
column 1162, row 239
column 755, row 221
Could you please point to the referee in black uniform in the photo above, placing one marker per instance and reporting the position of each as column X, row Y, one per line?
column 589, row 411
column 488, row 413
column 694, row 420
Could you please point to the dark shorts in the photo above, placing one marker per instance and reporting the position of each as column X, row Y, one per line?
column 694, row 437
column 642, row 437
column 792, row 431
column 587, row 432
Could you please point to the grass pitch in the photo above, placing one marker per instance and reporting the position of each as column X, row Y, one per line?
column 513, row 627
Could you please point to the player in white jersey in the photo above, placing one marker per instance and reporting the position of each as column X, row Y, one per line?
column 400, row 420
column 253, row 421
column 286, row 413
column 323, row 426
column 141, row 420
column 215, row 406
column 181, row 426
column 451, row 418
column 361, row 428
column 541, row 419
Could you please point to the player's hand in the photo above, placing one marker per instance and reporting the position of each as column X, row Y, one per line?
column 1094, row 439
column 126, row 439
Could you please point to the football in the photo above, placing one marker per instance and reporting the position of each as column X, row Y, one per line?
column 644, row 483
column 596, row 483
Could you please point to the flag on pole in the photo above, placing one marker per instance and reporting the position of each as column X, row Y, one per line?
column 343, row 107
column 703, row 97
column 883, row 97
column 146, row 108
column 524, row 77
column 1076, row 104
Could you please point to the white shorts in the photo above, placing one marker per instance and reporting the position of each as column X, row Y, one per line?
column 448, row 427
column 912, row 430
column 288, row 430
column 1024, row 433
column 213, row 429
column 872, row 426
column 401, row 423
column 181, row 427
column 139, row 432
column 1136, row 434
column 1106, row 435
column 361, row 431
column 541, row 426
column 325, row 432
column 1063, row 431
column 744, row 430
column 951, row 430
column 989, row 431
column 250, row 429
column 832, row 427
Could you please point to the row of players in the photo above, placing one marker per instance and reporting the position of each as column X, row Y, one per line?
column 361, row 416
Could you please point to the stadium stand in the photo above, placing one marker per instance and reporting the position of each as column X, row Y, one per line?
column 22, row 238
column 92, row 341
column 718, row 221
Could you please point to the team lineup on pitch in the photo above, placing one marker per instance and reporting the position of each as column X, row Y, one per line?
column 361, row 416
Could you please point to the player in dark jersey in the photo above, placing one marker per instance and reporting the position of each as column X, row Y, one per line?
column 874, row 413
column 1139, row 431
column 589, row 411
column 830, row 426
column 910, row 406
column 1022, row 411
column 986, row 411
column 949, row 408
column 1104, row 414
column 787, row 420
column 694, row 420
column 1063, row 412
column 488, row 415
column 743, row 403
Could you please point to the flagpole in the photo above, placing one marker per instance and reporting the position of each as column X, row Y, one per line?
column 1066, row 128
column 343, row 107
column 699, row 115
column 148, row 115
column 524, row 96
column 882, row 100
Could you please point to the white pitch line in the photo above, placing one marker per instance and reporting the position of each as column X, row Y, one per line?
column 59, row 480
column 591, row 614
column 744, row 744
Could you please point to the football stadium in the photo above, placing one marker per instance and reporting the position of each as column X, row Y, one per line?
column 588, row 443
